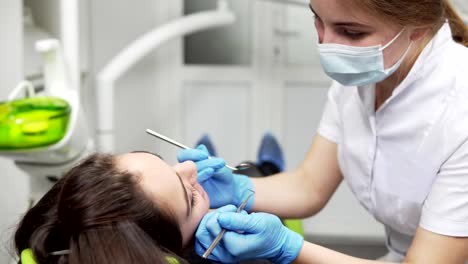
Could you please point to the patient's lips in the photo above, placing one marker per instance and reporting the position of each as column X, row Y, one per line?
column 200, row 189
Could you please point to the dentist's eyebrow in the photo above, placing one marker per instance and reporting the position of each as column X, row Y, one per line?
column 351, row 24
column 189, row 207
column 313, row 11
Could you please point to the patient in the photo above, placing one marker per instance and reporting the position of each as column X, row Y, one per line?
column 130, row 208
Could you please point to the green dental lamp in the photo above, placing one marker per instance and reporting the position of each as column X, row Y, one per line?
column 45, row 134
column 33, row 122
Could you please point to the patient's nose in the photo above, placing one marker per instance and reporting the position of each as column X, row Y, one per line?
column 188, row 169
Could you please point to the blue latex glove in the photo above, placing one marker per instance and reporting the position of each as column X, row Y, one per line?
column 207, row 236
column 223, row 187
column 254, row 236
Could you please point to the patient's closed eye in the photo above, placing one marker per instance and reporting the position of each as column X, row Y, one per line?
column 194, row 197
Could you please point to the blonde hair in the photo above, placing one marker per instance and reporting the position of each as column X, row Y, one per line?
column 428, row 13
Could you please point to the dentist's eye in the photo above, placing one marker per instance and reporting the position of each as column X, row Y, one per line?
column 353, row 34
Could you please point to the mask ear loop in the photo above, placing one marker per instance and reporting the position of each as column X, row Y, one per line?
column 393, row 40
column 402, row 57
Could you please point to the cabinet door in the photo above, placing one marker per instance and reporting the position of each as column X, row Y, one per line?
column 229, row 45
column 217, row 89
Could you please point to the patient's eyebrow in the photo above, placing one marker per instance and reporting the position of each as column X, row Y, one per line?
column 189, row 207
column 148, row 152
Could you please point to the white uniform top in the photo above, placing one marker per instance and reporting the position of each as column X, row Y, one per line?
column 407, row 162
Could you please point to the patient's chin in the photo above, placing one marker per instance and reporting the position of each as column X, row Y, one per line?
column 189, row 246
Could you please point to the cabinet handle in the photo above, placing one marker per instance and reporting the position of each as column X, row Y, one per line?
column 286, row 33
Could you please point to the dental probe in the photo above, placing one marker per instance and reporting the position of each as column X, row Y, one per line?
column 180, row 145
column 221, row 234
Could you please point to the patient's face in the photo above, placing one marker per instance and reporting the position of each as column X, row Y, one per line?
column 175, row 186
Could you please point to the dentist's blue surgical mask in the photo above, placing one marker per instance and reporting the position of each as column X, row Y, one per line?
column 357, row 66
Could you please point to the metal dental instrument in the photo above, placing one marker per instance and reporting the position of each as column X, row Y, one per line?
column 180, row 145
column 221, row 234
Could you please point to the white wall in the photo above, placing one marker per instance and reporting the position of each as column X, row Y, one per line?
column 462, row 6
column 13, row 183
column 46, row 15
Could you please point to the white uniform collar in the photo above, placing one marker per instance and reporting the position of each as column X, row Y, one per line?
column 441, row 38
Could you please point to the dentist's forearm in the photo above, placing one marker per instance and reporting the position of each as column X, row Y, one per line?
column 314, row 254
column 305, row 191
column 285, row 195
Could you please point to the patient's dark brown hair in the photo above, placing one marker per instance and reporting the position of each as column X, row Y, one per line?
column 101, row 215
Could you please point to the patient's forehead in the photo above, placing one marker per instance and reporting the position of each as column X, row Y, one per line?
column 140, row 162
column 156, row 177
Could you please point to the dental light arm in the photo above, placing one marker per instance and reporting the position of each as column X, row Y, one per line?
column 137, row 50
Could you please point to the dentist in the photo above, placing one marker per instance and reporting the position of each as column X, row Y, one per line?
column 395, row 129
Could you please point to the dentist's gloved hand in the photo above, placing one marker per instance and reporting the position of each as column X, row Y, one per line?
column 254, row 236
column 205, row 237
column 223, row 187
